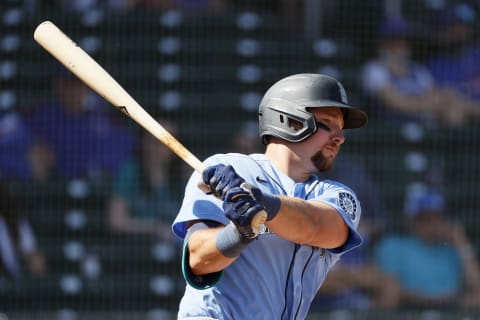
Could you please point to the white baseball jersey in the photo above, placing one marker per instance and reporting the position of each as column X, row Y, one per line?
column 272, row 278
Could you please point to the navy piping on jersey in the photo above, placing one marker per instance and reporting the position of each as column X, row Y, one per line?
column 303, row 273
column 309, row 258
column 292, row 263
column 297, row 246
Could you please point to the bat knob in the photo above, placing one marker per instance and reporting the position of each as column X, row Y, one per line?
column 204, row 187
column 259, row 219
column 257, row 223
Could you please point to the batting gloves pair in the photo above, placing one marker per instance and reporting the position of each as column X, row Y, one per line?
column 241, row 202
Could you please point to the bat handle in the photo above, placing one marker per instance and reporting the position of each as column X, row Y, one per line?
column 257, row 221
column 259, row 218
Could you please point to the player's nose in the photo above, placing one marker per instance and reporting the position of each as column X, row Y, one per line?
column 338, row 137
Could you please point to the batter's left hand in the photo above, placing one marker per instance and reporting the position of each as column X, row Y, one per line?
column 221, row 178
column 241, row 207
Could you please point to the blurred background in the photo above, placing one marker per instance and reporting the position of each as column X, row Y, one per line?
column 87, row 198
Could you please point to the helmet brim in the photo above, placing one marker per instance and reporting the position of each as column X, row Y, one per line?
column 353, row 117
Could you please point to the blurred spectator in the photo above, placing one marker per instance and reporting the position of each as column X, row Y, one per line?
column 245, row 139
column 75, row 126
column 404, row 90
column 455, row 62
column 22, row 159
column 15, row 142
column 19, row 253
column 357, row 287
column 434, row 261
column 355, row 282
column 144, row 200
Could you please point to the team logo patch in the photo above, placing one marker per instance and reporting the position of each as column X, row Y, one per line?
column 343, row 94
column 348, row 203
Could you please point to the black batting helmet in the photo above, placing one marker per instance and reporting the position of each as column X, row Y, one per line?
column 289, row 99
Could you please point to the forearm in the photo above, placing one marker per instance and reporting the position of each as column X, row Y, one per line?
column 120, row 219
column 309, row 222
column 35, row 262
column 470, row 267
column 204, row 256
column 408, row 102
column 337, row 280
column 421, row 300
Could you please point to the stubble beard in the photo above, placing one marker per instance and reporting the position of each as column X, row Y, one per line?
column 321, row 162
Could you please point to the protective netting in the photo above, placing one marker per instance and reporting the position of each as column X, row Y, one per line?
column 99, row 201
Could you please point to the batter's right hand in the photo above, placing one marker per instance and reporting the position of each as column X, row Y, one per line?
column 241, row 207
column 220, row 179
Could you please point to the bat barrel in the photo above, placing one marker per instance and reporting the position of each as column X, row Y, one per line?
column 66, row 51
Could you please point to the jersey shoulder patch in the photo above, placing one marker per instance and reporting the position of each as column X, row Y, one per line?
column 348, row 203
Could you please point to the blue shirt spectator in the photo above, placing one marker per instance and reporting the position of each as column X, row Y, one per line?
column 432, row 270
column 455, row 62
column 403, row 90
column 433, row 261
column 85, row 139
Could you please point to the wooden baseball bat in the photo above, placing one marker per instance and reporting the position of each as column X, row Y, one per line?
column 65, row 50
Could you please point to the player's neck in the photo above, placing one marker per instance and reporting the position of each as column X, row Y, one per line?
column 282, row 158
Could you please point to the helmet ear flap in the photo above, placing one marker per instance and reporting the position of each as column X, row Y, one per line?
column 293, row 124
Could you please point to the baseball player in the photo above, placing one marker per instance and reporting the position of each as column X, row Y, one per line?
column 234, row 271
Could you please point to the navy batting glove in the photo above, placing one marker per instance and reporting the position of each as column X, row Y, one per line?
column 272, row 203
column 240, row 207
column 221, row 178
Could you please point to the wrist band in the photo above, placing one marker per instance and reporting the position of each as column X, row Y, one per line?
column 230, row 242
column 272, row 203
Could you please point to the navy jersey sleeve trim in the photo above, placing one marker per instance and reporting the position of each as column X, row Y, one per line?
column 204, row 281
column 198, row 282
column 354, row 240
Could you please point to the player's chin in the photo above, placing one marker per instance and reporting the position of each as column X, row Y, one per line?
column 325, row 166
column 323, row 163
